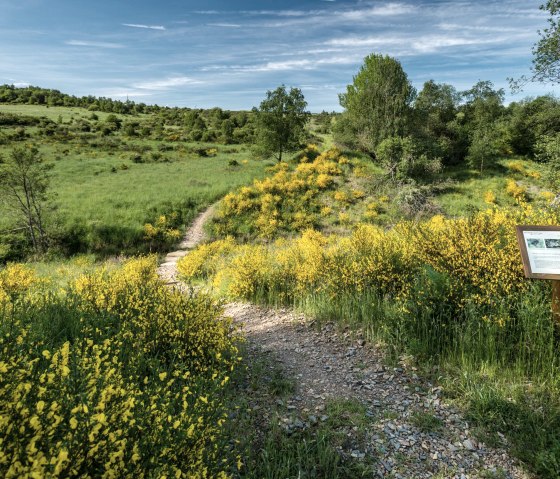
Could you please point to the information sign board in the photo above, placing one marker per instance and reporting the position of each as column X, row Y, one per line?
column 540, row 251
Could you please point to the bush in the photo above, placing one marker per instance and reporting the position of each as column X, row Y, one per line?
column 403, row 158
column 119, row 376
column 286, row 201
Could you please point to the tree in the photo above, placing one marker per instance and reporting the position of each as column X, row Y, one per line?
column 548, row 151
column 546, row 52
column 377, row 104
column 281, row 120
column 483, row 112
column 23, row 189
column 436, row 108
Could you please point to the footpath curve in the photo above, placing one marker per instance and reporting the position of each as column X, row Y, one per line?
column 329, row 364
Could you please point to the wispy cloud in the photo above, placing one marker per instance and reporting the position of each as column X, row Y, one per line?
column 386, row 10
column 87, row 43
column 166, row 83
column 289, row 65
column 224, row 25
column 139, row 25
column 420, row 44
column 122, row 93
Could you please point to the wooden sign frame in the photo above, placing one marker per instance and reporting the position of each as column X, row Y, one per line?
column 520, row 230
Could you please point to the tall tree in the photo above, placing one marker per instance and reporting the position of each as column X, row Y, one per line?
column 281, row 120
column 483, row 111
column 377, row 104
column 23, row 189
column 436, row 123
column 546, row 52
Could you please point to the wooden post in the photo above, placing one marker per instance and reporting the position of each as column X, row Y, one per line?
column 556, row 300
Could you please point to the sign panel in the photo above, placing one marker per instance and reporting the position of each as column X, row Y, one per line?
column 540, row 250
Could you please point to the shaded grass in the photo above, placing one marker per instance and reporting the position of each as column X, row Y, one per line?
column 469, row 186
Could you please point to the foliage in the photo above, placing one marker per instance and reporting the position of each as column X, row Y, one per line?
column 479, row 255
column 23, row 183
column 286, row 201
column 530, row 120
column 129, row 181
column 435, row 110
column 118, row 376
column 281, row 119
column 162, row 233
column 545, row 68
column 548, row 151
column 451, row 292
column 483, row 150
column 377, row 104
column 403, row 158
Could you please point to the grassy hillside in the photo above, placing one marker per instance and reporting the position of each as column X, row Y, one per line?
column 105, row 187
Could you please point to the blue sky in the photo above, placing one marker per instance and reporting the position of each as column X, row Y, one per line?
column 228, row 53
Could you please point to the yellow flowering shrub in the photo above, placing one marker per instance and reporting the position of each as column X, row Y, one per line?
column 547, row 195
column 129, row 385
column 478, row 255
column 342, row 196
column 515, row 190
column 489, row 197
column 16, row 279
column 516, row 167
column 343, row 218
column 162, row 232
column 204, row 260
column 288, row 200
column 369, row 258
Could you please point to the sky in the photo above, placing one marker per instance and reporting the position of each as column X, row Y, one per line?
column 229, row 53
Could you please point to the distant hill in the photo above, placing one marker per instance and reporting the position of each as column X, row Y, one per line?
column 33, row 95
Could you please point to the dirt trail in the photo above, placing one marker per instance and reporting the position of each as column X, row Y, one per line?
column 194, row 235
column 327, row 364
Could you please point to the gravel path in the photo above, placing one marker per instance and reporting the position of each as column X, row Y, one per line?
column 327, row 364
column 194, row 235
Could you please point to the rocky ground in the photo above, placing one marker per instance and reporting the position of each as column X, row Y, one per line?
column 410, row 431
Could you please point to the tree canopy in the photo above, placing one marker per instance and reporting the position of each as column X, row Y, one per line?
column 377, row 104
column 546, row 52
column 281, row 120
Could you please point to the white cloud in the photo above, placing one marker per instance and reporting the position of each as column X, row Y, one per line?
column 224, row 25
column 477, row 28
column 386, row 10
column 138, row 25
column 122, row 93
column 84, row 43
column 289, row 65
column 417, row 44
column 166, row 83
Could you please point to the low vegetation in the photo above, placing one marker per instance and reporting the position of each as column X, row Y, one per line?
column 114, row 376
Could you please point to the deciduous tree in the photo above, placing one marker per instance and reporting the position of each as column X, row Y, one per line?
column 281, row 120
column 23, row 189
column 546, row 52
column 377, row 104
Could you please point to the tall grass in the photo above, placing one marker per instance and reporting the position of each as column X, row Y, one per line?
column 506, row 376
column 450, row 293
